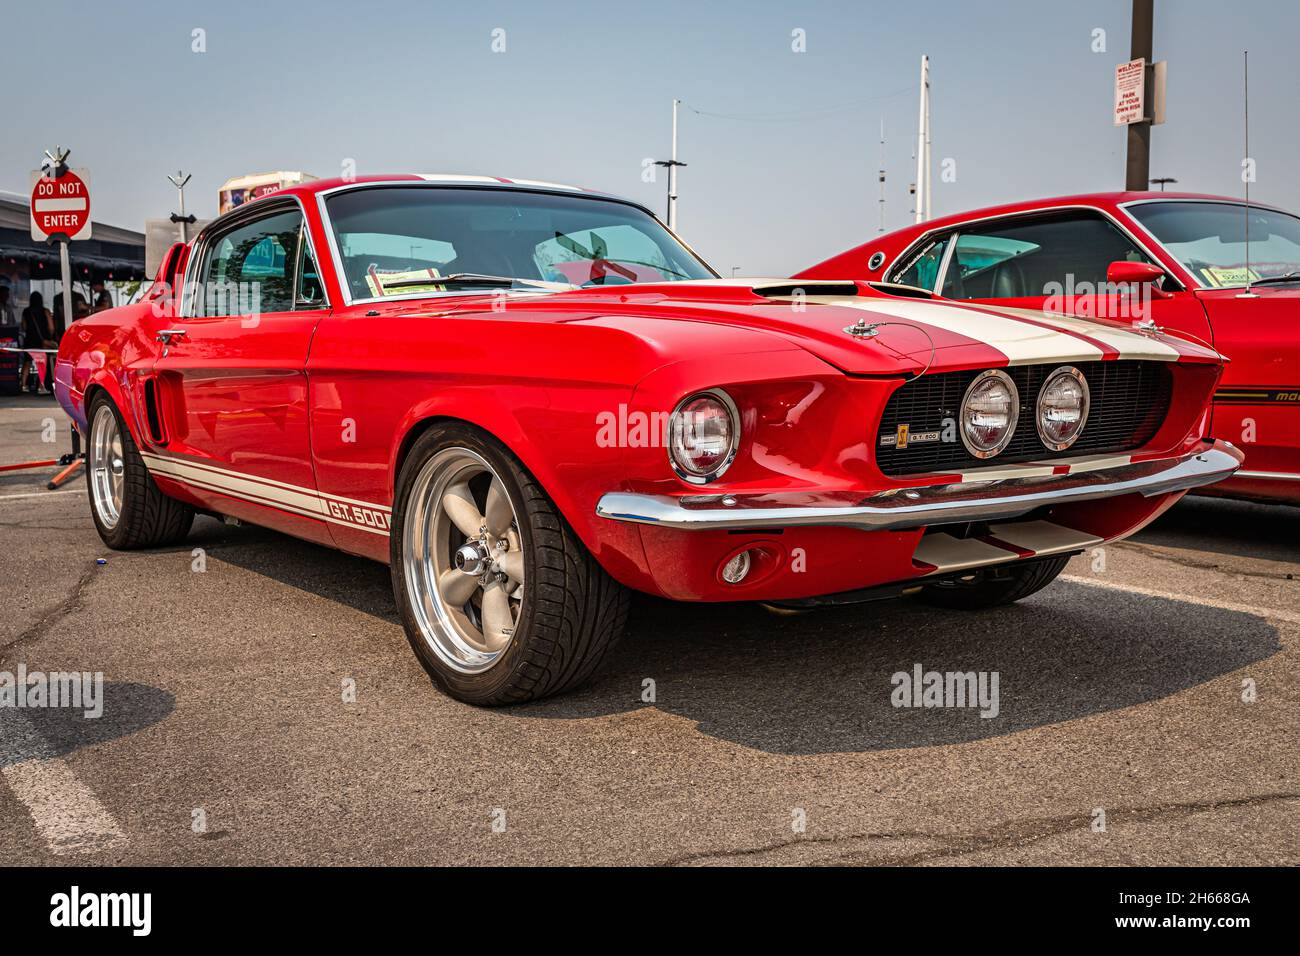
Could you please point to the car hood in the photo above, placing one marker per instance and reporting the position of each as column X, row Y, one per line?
column 863, row 330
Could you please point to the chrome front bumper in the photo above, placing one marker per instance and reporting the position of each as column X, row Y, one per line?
column 926, row 504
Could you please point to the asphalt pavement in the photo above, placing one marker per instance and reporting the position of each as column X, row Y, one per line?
column 261, row 705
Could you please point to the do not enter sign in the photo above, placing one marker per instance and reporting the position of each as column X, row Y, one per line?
column 61, row 206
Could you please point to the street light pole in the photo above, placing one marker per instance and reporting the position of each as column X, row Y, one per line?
column 671, row 165
column 179, row 181
column 1138, row 170
column 672, row 174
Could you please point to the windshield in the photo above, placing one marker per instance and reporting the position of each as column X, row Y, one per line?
column 1209, row 239
column 400, row 240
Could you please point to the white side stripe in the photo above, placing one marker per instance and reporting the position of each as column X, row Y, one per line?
column 306, row 502
column 151, row 456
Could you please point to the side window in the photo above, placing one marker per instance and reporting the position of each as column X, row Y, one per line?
column 311, row 293
column 252, row 267
column 1030, row 257
column 923, row 269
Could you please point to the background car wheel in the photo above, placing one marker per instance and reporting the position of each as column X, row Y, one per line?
column 128, row 509
column 499, row 598
column 995, row 586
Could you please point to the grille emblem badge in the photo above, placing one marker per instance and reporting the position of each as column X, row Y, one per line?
column 904, row 436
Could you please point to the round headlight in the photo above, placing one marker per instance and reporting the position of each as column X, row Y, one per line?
column 702, row 436
column 1062, row 408
column 989, row 412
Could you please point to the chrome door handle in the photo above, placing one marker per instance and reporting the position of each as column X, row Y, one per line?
column 166, row 335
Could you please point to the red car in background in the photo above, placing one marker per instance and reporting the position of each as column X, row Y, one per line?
column 1210, row 268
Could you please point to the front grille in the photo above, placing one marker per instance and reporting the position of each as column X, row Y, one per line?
column 1129, row 401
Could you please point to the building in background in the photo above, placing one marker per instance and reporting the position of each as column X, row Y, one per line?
column 235, row 192
column 114, row 256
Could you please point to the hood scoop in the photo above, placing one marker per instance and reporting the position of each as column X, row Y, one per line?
column 787, row 288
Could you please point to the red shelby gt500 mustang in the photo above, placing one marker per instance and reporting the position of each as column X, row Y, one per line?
column 529, row 398
column 1213, row 268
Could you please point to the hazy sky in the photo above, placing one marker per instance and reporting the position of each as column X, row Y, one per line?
column 583, row 93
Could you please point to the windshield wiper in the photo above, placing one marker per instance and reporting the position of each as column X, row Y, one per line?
column 475, row 278
column 1289, row 277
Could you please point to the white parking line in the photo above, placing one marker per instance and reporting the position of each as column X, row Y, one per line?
column 1273, row 613
column 67, row 814
column 43, row 494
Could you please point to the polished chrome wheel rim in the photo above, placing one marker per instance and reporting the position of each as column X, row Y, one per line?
column 106, row 467
column 463, row 560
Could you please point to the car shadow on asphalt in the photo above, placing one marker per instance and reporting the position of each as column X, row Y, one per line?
column 1221, row 526
column 822, row 682
column 44, row 732
column 355, row 582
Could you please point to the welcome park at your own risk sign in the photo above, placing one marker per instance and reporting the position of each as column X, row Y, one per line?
column 61, row 206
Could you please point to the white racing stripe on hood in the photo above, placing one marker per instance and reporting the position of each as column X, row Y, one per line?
column 1130, row 345
column 1020, row 342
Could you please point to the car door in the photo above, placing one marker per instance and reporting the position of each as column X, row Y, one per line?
column 230, row 376
column 1257, row 403
column 1053, row 262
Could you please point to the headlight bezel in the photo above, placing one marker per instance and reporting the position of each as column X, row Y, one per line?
column 1074, row 373
column 1013, row 418
column 684, row 472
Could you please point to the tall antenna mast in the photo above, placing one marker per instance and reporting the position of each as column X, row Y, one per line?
column 923, row 146
column 929, row 185
column 1245, row 65
column 882, row 174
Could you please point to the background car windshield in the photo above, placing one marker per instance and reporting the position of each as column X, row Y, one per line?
column 1209, row 239
column 397, row 240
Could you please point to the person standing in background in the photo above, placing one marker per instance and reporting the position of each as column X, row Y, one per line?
column 100, row 297
column 37, row 333
column 7, row 316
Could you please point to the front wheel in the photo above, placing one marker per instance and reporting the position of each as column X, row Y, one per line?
column 990, row 587
column 499, row 598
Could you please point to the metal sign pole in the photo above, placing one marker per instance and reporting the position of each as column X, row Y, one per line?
column 66, row 267
column 57, row 165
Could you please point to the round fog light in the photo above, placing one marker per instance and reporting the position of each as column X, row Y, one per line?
column 989, row 412
column 1062, row 408
column 734, row 571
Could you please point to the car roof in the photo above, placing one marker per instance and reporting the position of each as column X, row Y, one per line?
column 306, row 191
column 1105, row 200
column 312, row 187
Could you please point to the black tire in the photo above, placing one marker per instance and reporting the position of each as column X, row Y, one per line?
column 147, row 518
column 995, row 586
column 572, row 614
